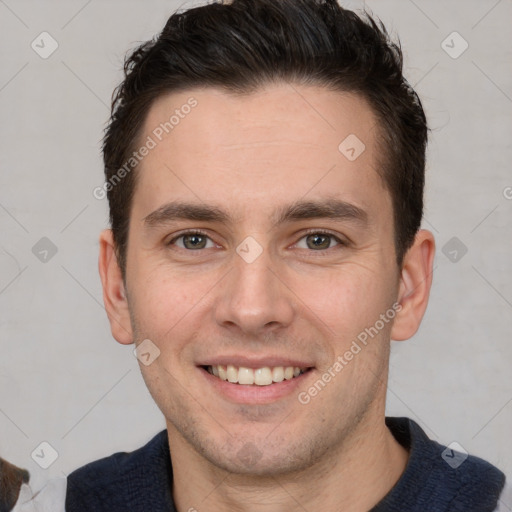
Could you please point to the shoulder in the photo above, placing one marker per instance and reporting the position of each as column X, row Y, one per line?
column 443, row 478
column 471, row 483
column 505, row 501
column 108, row 483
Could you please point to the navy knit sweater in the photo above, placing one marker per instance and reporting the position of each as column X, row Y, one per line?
column 140, row 481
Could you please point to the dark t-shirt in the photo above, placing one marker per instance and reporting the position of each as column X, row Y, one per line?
column 436, row 479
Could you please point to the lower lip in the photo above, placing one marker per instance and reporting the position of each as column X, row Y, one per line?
column 254, row 394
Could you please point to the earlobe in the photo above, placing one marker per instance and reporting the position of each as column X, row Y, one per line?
column 114, row 294
column 415, row 284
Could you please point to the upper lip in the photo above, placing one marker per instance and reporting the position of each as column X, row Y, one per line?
column 255, row 362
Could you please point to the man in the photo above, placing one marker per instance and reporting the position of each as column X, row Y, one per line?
column 265, row 168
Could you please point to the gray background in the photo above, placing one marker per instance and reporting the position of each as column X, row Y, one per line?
column 64, row 380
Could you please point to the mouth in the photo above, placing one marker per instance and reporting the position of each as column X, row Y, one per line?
column 264, row 376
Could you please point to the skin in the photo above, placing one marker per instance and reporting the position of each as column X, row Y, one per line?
column 250, row 155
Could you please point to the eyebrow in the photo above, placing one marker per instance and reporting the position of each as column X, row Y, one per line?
column 300, row 210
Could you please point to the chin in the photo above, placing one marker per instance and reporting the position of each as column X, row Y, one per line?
column 262, row 457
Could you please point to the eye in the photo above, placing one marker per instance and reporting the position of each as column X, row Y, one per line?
column 319, row 240
column 192, row 240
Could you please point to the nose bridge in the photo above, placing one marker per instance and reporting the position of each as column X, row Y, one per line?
column 254, row 298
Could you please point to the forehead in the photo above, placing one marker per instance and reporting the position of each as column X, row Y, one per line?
column 282, row 142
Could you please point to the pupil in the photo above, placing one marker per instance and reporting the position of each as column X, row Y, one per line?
column 317, row 240
column 194, row 240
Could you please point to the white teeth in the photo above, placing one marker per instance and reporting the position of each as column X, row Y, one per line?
column 232, row 373
column 278, row 374
column 260, row 377
column 222, row 372
column 245, row 375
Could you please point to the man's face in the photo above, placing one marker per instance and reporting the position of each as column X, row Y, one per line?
column 255, row 290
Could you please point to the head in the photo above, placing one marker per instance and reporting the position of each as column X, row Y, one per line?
column 285, row 133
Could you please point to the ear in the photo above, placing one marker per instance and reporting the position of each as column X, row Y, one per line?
column 114, row 293
column 415, row 283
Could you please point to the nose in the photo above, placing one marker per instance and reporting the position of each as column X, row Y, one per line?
column 254, row 298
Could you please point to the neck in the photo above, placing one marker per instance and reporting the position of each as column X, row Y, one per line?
column 353, row 477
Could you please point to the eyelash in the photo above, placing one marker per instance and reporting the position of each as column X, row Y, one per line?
column 307, row 233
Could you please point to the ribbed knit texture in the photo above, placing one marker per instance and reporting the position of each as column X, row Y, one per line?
column 430, row 484
column 141, row 481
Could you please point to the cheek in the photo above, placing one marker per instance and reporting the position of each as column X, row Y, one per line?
column 158, row 303
column 347, row 299
column 163, row 294
column 170, row 309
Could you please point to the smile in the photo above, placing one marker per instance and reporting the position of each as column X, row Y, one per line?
column 254, row 376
